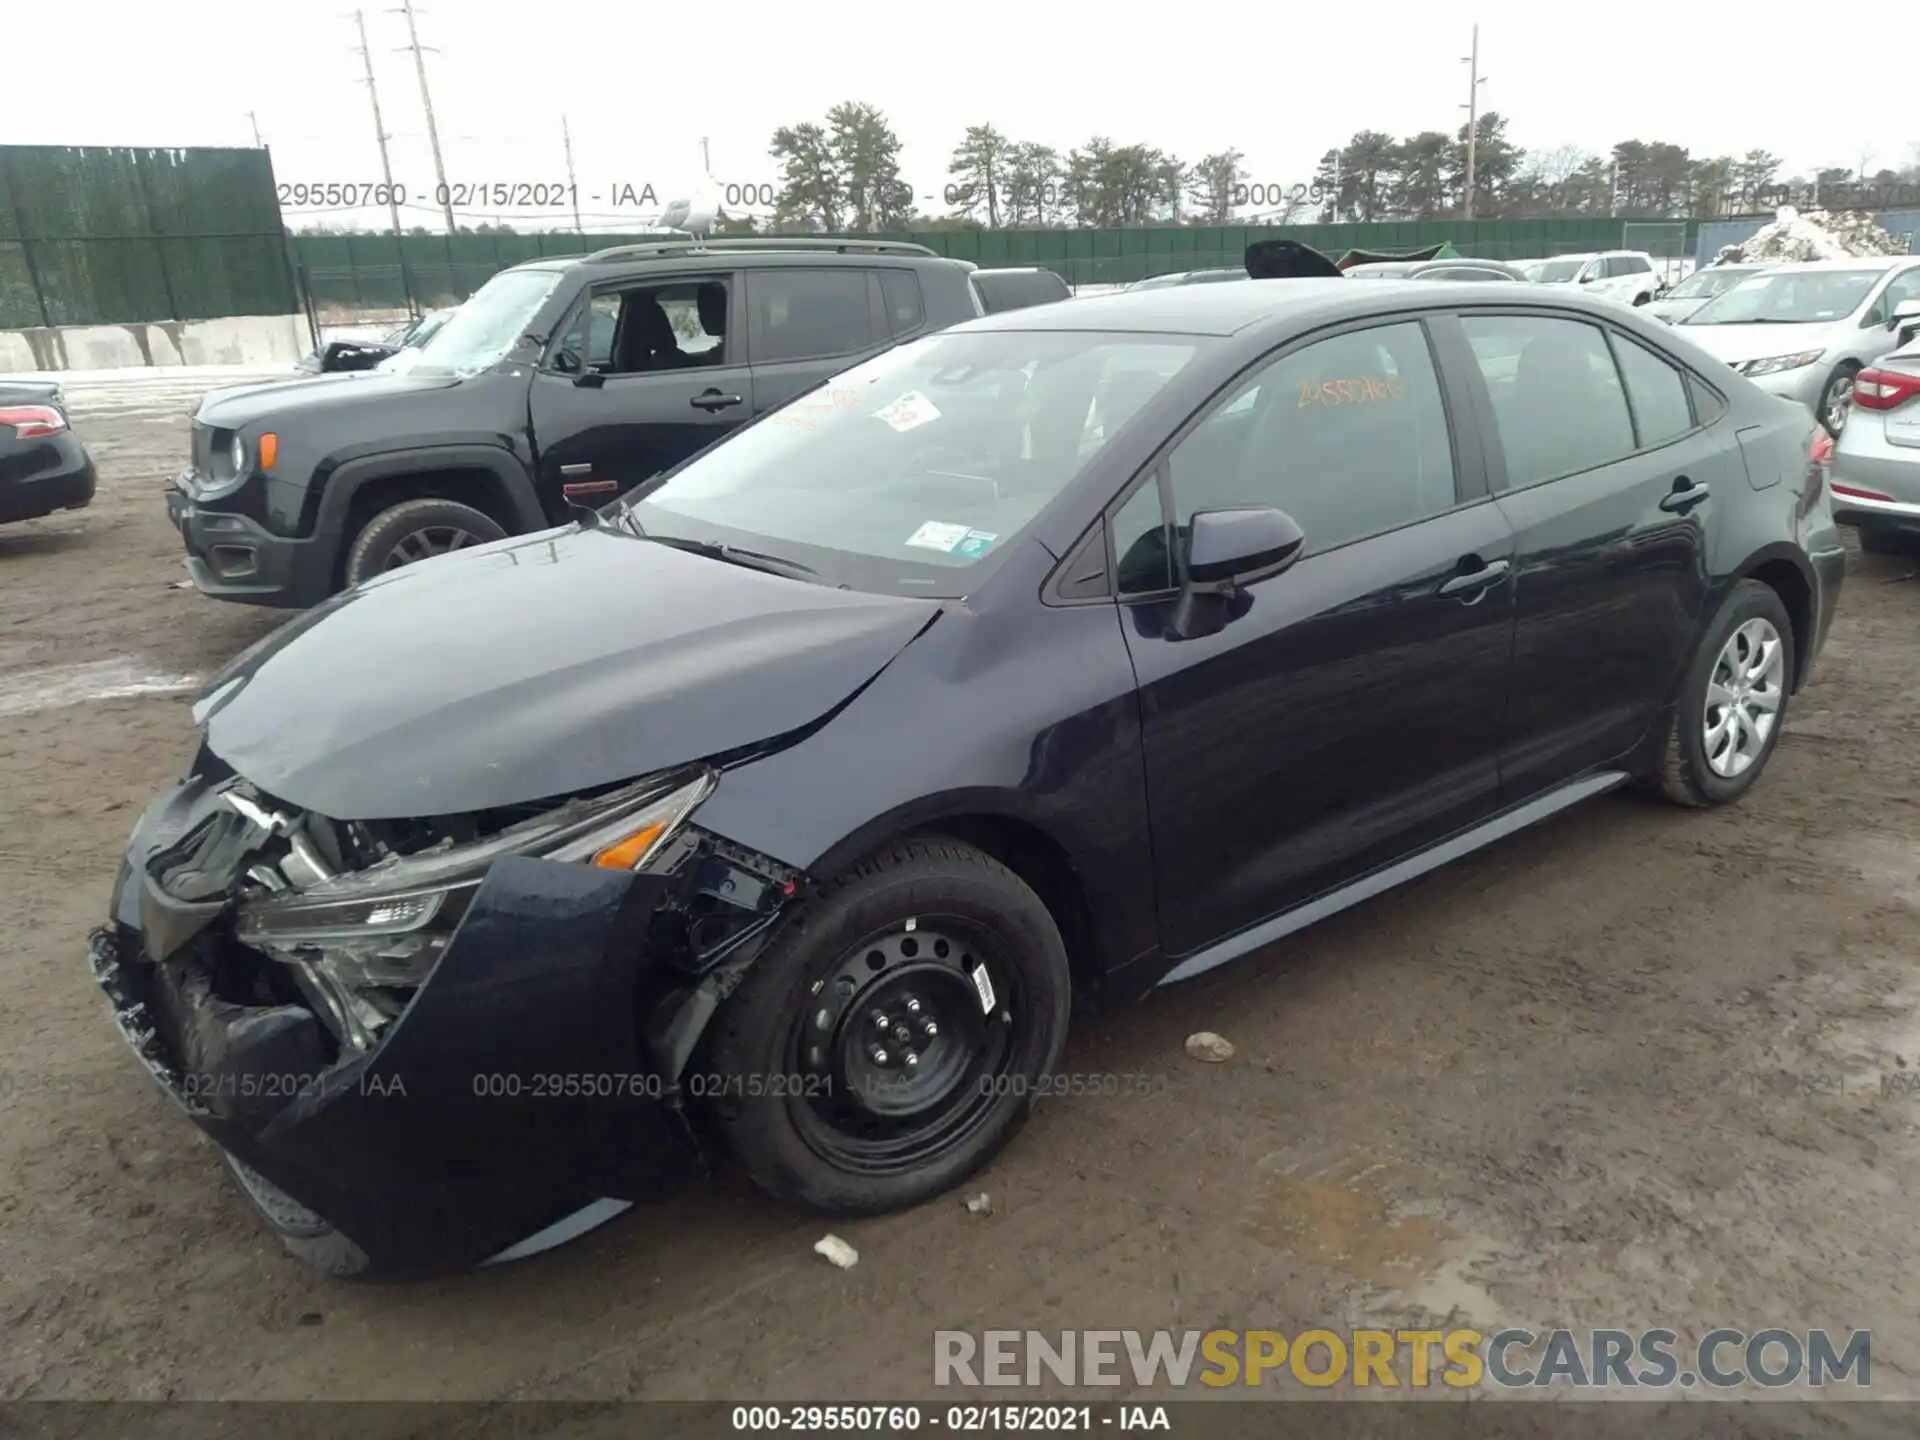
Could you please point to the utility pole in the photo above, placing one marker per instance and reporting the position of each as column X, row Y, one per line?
column 379, row 126
column 706, row 160
column 426, row 102
column 258, row 143
column 1474, row 82
column 573, row 185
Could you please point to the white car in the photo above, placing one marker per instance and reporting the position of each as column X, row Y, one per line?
column 1697, row 289
column 1806, row 330
column 1624, row 275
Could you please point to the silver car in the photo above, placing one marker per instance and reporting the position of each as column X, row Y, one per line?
column 1875, row 471
column 1696, row 290
column 1805, row 330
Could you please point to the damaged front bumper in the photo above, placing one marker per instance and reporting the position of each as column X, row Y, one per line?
column 527, row 1089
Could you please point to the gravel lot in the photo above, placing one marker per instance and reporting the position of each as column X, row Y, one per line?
column 1626, row 1070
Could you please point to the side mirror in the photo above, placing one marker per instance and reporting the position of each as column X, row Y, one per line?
column 590, row 379
column 1587, row 277
column 1905, row 314
column 1225, row 550
column 1228, row 548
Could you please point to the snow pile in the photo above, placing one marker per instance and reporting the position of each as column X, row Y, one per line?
column 1816, row 235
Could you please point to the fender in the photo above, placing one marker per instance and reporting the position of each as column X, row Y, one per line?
column 330, row 501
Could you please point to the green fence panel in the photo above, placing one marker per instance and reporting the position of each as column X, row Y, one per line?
column 111, row 235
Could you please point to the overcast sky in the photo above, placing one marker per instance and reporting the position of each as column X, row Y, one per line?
column 640, row 85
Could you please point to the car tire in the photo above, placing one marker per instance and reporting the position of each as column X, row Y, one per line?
column 1843, row 373
column 426, row 527
column 899, row 935
column 307, row 1237
column 1699, row 760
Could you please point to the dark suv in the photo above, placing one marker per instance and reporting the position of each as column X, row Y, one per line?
column 561, row 382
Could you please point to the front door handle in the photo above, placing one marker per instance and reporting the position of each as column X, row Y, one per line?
column 1480, row 579
column 712, row 400
column 1685, row 495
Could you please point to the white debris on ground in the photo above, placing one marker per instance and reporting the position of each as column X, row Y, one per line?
column 838, row 1251
column 1207, row 1046
column 1816, row 235
column 981, row 1204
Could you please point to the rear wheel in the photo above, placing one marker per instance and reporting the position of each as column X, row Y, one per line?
column 1731, row 706
column 416, row 530
column 893, row 1037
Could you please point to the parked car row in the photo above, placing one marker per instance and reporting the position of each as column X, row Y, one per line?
column 880, row 679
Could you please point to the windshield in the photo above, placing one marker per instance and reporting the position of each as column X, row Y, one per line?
column 1556, row 272
column 481, row 332
column 1788, row 297
column 1703, row 284
column 903, row 474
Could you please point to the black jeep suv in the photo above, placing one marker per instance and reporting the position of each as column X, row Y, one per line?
column 561, row 382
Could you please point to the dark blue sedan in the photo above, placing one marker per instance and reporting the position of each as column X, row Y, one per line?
column 782, row 810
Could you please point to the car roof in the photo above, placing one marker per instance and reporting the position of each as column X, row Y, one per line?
column 1857, row 262
column 1282, row 304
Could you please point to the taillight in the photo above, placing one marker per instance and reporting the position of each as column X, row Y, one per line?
column 1884, row 389
column 31, row 422
column 1822, row 450
column 1860, row 492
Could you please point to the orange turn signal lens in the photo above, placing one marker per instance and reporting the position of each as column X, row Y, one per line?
column 628, row 853
column 269, row 450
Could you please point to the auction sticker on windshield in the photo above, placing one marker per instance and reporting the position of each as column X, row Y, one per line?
column 909, row 412
column 936, row 535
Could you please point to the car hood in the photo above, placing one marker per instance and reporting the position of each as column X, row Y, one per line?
column 239, row 405
column 537, row 667
column 1735, row 343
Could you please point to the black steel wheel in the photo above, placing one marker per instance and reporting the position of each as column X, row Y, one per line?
column 890, row 1040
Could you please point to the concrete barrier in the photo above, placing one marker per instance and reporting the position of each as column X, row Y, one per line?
column 265, row 340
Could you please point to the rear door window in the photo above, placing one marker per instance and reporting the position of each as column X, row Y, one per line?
column 809, row 314
column 1557, row 398
column 900, row 294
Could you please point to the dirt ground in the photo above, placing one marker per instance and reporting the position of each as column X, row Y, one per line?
column 1625, row 1070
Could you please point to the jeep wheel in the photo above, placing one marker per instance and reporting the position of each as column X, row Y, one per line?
column 416, row 530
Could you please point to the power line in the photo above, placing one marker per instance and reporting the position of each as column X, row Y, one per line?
column 426, row 102
column 258, row 144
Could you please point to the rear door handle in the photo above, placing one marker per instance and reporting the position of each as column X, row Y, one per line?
column 1684, row 496
column 712, row 400
column 1480, row 579
column 586, row 469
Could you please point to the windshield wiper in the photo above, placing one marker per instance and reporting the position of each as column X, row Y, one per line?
column 734, row 555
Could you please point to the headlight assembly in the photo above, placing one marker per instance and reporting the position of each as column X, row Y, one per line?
column 237, row 456
column 385, row 926
column 1774, row 364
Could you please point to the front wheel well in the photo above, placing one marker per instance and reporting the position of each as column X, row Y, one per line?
column 1783, row 577
column 1045, row 865
column 475, row 486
